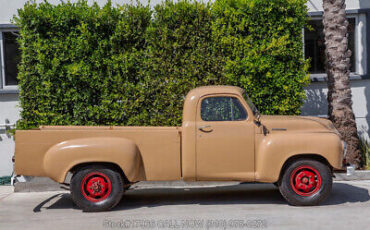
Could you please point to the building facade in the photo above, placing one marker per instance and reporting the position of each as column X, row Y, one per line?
column 358, row 13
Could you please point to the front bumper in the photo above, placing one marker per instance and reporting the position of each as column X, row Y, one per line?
column 349, row 168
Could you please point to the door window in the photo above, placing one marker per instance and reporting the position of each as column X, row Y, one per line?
column 222, row 109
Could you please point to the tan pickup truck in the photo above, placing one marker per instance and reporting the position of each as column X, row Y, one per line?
column 222, row 138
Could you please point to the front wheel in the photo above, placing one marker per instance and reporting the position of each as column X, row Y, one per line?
column 306, row 182
column 96, row 188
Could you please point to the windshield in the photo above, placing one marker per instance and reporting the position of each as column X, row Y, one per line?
column 251, row 105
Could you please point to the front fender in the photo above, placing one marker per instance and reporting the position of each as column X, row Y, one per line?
column 275, row 149
column 62, row 157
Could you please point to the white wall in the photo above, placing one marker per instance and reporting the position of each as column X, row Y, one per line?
column 316, row 103
column 364, row 3
column 316, row 5
column 8, row 110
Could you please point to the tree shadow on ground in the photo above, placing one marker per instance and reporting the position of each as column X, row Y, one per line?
column 246, row 194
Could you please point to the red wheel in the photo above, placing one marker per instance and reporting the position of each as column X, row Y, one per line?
column 96, row 186
column 305, row 180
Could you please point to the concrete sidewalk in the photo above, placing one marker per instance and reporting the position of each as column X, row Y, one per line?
column 5, row 190
column 228, row 207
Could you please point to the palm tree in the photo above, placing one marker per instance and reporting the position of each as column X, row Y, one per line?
column 337, row 68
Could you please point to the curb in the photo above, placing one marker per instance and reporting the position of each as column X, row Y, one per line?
column 43, row 184
column 357, row 175
column 37, row 184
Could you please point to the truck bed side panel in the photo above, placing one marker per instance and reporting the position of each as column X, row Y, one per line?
column 158, row 146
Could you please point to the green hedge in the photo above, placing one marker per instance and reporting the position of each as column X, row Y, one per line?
column 5, row 180
column 133, row 64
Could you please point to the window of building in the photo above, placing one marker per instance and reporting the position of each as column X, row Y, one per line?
column 222, row 109
column 10, row 57
column 315, row 45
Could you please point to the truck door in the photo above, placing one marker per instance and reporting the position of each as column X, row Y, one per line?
column 225, row 139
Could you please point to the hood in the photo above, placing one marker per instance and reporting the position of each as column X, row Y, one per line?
column 297, row 124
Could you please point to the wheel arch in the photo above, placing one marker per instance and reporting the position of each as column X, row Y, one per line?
column 120, row 153
column 303, row 156
column 110, row 165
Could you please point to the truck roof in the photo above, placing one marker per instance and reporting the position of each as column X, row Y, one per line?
column 216, row 89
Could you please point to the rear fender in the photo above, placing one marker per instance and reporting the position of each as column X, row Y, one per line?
column 62, row 157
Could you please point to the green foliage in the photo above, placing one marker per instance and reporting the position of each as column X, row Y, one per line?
column 262, row 44
column 180, row 57
column 5, row 180
column 133, row 65
column 365, row 150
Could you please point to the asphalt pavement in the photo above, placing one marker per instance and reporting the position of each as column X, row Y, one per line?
column 186, row 206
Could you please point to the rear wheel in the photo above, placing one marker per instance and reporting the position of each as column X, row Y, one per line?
column 96, row 188
column 306, row 182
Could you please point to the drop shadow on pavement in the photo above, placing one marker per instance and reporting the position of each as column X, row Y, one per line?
column 246, row 194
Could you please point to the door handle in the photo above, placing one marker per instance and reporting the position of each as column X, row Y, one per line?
column 206, row 128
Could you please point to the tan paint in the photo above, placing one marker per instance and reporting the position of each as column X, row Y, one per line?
column 294, row 135
column 234, row 150
column 53, row 151
column 274, row 149
column 227, row 152
column 121, row 151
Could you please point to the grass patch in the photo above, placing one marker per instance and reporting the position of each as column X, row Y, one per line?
column 365, row 149
column 5, row 180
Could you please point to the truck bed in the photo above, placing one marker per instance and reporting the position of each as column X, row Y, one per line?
column 159, row 147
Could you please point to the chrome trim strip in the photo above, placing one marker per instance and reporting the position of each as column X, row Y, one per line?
column 278, row 129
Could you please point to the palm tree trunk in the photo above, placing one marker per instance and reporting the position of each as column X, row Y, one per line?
column 337, row 68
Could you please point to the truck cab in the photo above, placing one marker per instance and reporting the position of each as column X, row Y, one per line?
column 225, row 138
column 218, row 133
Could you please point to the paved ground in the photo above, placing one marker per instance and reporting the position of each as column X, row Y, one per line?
column 230, row 207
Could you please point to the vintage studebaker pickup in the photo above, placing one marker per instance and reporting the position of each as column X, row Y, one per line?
column 223, row 138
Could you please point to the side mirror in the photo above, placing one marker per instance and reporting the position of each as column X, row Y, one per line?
column 257, row 120
column 258, row 117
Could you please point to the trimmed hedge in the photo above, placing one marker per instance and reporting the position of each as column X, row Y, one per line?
column 133, row 65
column 262, row 43
column 5, row 180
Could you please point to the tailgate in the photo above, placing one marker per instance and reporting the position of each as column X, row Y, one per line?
column 30, row 148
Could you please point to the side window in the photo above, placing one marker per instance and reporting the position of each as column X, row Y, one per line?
column 222, row 109
column 9, row 58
